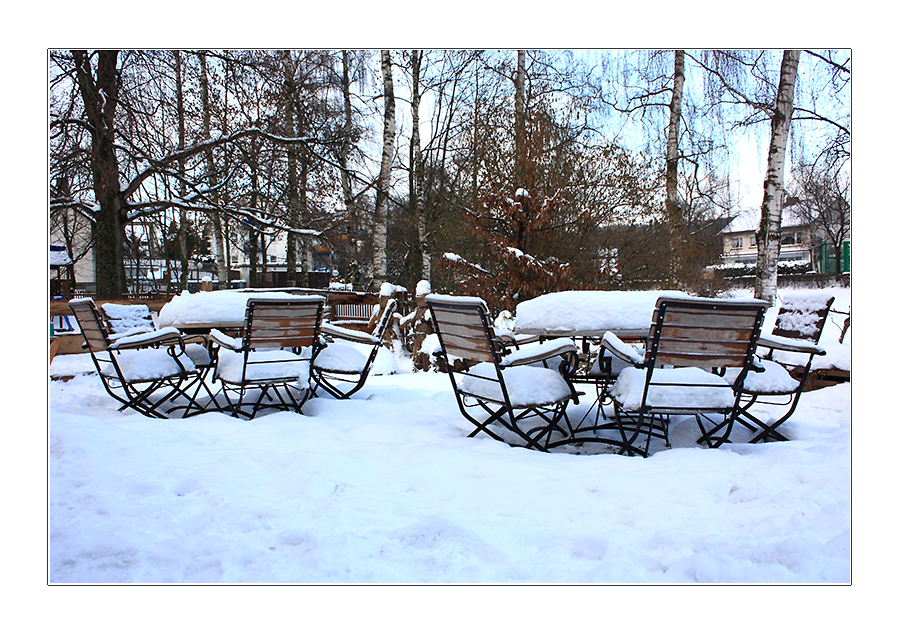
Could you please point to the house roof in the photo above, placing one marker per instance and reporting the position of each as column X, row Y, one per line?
column 749, row 221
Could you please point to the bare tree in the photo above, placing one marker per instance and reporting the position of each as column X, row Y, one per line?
column 823, row 202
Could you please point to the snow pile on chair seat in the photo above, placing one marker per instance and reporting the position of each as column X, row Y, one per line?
column 198, row 354
column 773, row 379
column 527, row 386
column 837, row 356
column 341, row 358
column 142, row 365
column 279, row 365
column 629, row 388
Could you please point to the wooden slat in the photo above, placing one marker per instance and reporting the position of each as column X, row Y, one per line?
column 688, row 359
column 480, row 344
column 88, row 322
column 716, row 319
column 468, row 353
column 470, row 330
column 705, row 333
column 705, row 346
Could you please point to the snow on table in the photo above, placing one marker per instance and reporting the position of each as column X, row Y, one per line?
column 589, row 312
column 220, row 308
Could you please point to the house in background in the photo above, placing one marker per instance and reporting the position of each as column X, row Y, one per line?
column 800, row 245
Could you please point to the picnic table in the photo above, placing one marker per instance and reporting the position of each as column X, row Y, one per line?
column 589, row 313
column 200, row 312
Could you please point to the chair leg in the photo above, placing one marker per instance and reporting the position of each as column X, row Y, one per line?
column 709, row 437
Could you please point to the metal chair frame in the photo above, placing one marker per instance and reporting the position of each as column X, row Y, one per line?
column 271, row 324
column 467, row 340
column 333, row 381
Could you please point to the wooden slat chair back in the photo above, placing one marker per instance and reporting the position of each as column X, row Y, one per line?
column 92, row 327
column 282, row 338
column 803, row 316
column 700, row 334
column 281, row 324
column 342, row 368
column 122, row 320
column 486, row 379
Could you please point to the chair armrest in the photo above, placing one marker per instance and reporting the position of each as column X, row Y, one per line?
column 165, row 336
column 336, row 331
column 785, row 344
column 621, row 350
column 538, row 353
column 223, row 340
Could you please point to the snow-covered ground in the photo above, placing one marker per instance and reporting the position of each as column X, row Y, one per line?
column 387, row 488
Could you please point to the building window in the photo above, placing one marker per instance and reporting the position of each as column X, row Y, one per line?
column 753, row 240
column 737, row 242
column 789, row 239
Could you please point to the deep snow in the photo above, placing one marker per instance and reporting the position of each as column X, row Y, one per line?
column 386, row 488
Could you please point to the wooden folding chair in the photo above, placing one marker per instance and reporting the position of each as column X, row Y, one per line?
column 134, row 368
column 282, row 338
column 341, row 368
column 527, row 401
column 130, row 319
column 783, row 370
column 691, row 342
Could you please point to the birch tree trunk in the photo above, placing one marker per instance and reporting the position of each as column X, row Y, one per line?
column 417, row 172
column 520, row 121
column 769, row 236
column 379, row 257
column 673, row 206
column 293, row 193
column 215, row 216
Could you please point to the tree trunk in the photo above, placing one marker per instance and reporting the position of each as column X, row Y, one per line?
column 293, row 197
column 673, row 206
column 182, row 216
column 100, row 96
column 379, row 257
column 417, row 174
column 769, row 236
column 346, row 181
column 520, row 121
column 215, row 216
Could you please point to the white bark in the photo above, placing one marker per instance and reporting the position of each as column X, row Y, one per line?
column 520, row 120
column 417, row 181
column 379, row 257
column 673, row 205
column 769, row 238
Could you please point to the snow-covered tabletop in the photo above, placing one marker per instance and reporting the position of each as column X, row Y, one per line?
column 589, row 312
column 222, row 309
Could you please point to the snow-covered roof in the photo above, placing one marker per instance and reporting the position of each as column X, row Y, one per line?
column 59, row 256
column 749, row 221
